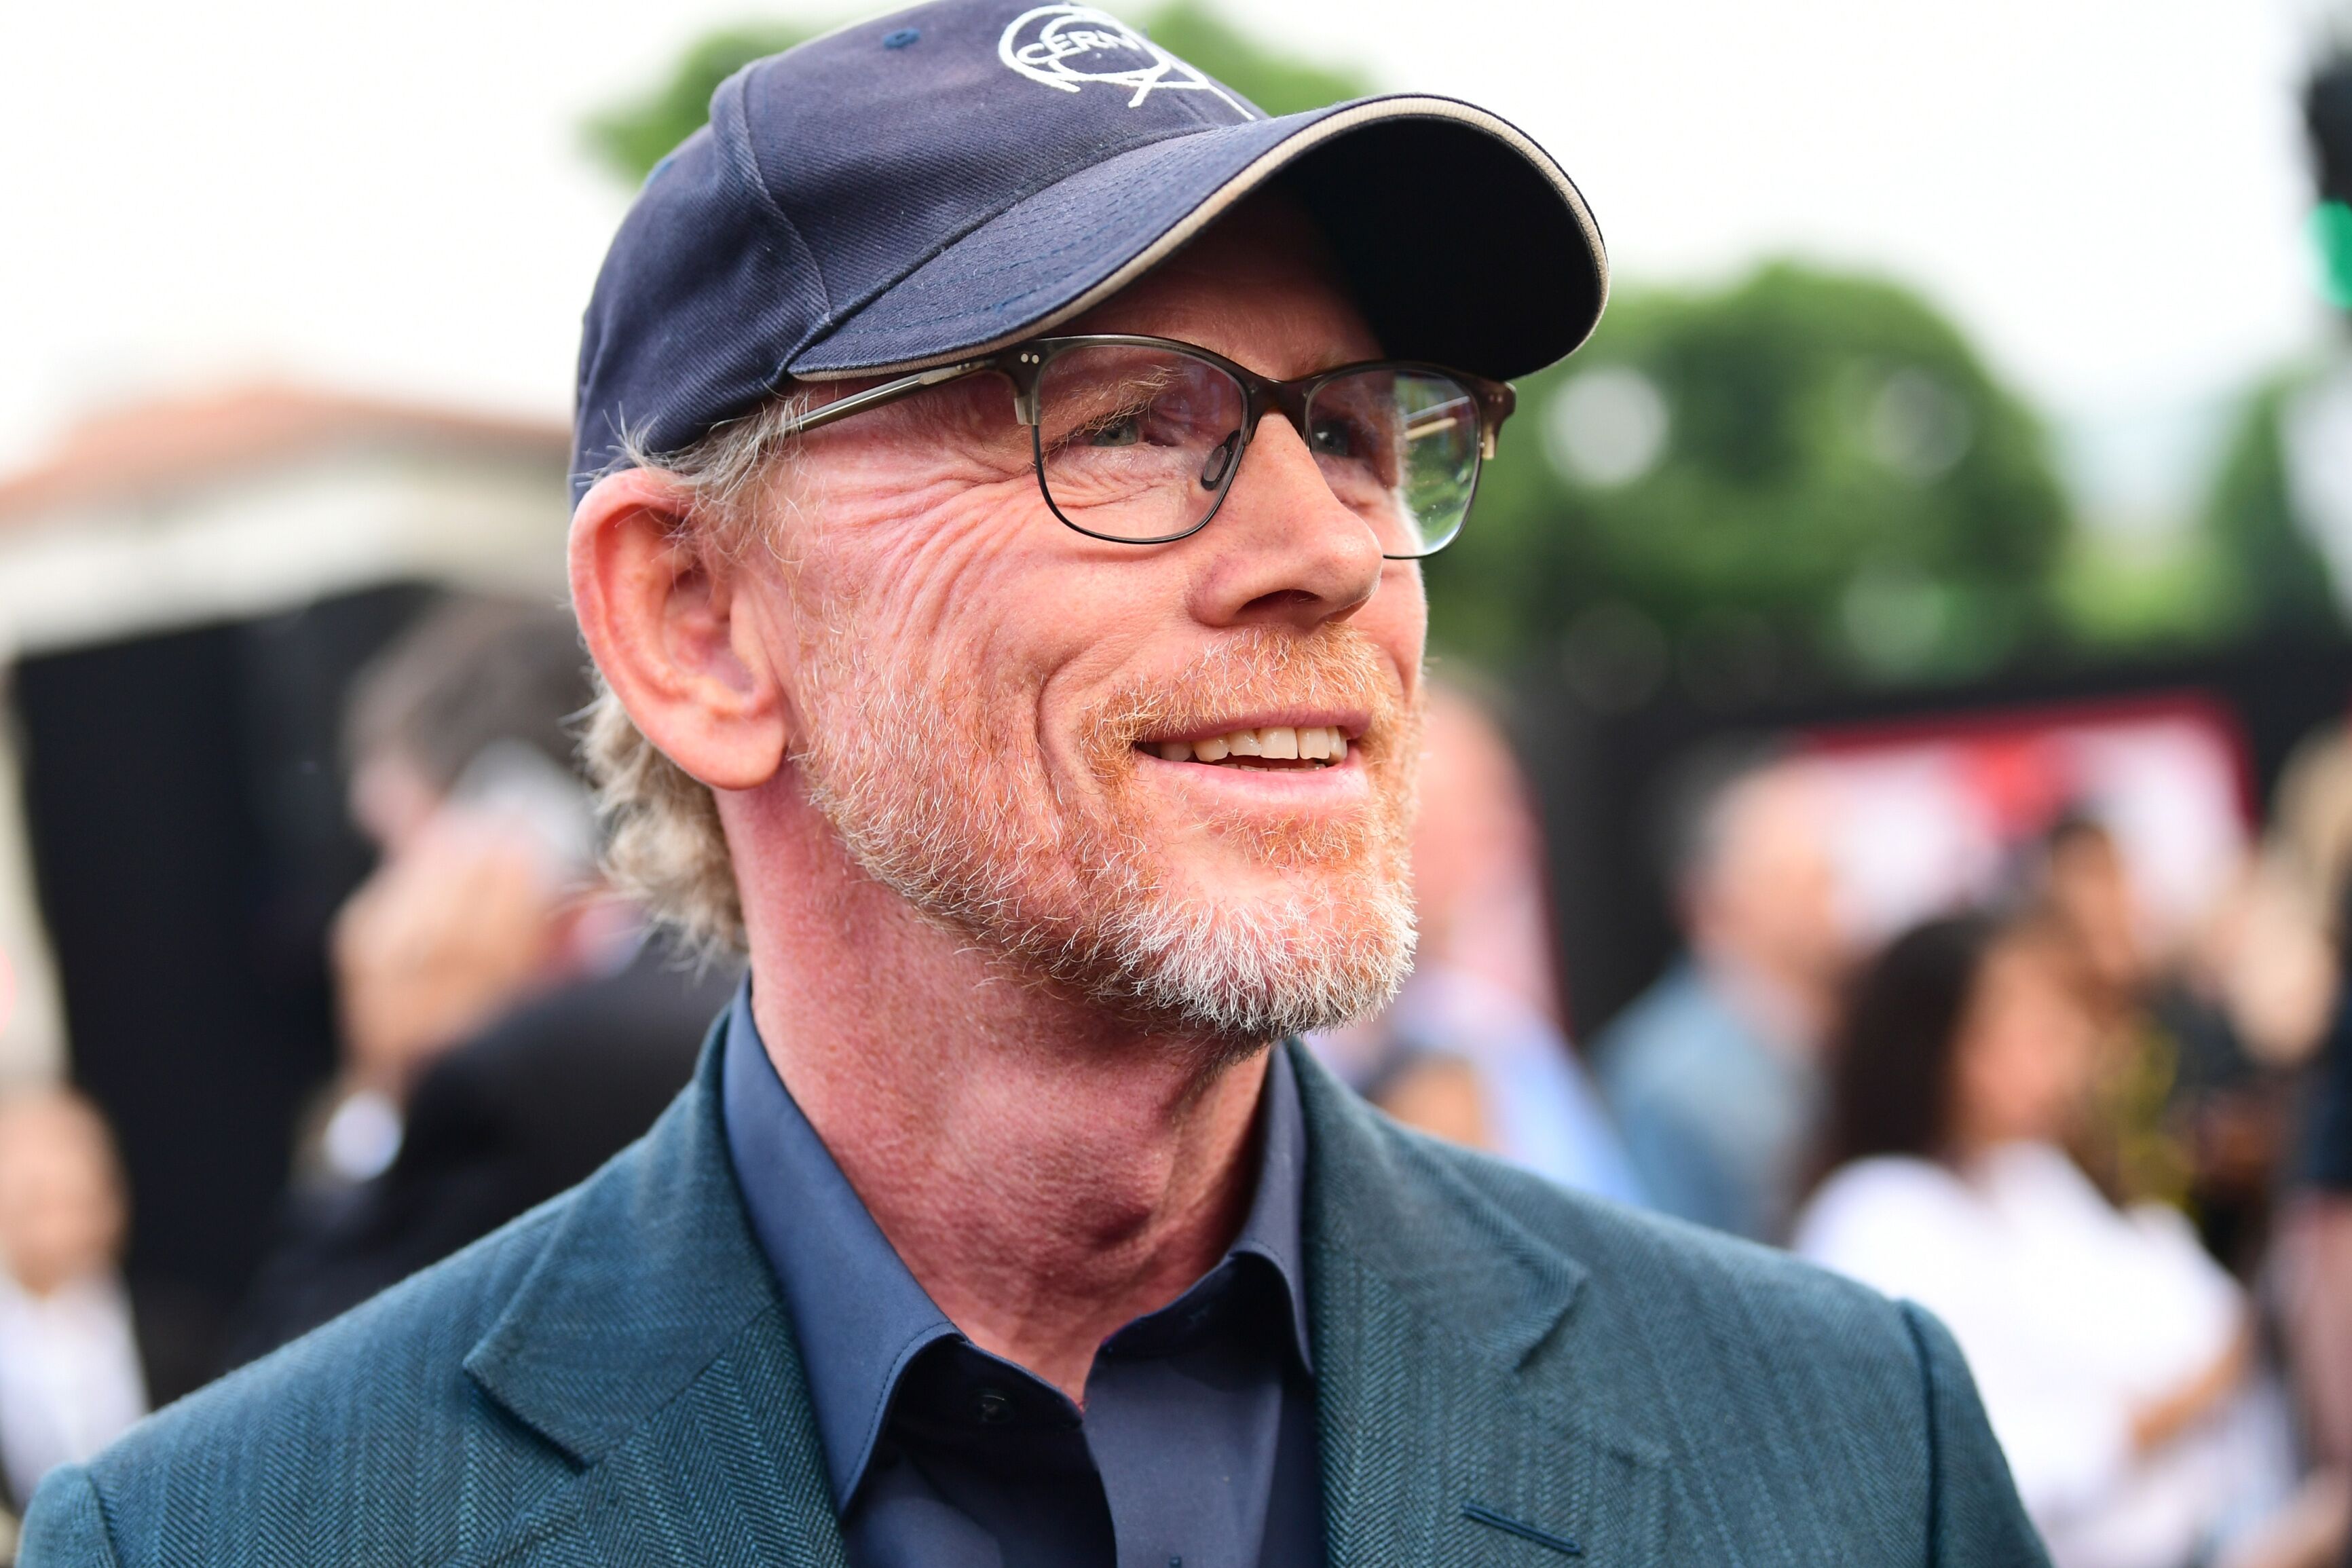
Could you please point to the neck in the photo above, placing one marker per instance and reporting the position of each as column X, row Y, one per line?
column 1046, row 1174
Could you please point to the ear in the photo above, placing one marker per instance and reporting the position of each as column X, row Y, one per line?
column 678, row 634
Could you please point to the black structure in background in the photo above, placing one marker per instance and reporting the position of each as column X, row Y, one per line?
column 184, row 797
column 2328, row 117
column 1601, row 777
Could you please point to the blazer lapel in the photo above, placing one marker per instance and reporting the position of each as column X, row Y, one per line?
column 649, row 1344
column 1449, row 1429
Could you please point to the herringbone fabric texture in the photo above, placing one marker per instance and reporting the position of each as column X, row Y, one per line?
column 1507, row 1374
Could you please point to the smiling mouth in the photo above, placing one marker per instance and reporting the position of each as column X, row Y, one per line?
column 1272, row 748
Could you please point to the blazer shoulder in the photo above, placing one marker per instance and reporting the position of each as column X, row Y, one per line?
column 1485, row 1244
column 65, row 1528
column 1779, row 1393
column 1683, row 1287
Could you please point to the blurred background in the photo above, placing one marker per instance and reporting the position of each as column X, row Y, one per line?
column 1890, row 792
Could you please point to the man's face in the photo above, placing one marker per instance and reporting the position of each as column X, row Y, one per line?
column 981, row 695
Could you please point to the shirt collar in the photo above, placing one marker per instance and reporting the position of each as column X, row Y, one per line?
column 1275, row 1229
column 860, row 1318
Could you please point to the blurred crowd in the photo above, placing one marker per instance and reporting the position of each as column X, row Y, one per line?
column 2119, row 1168
column 2117, row 1163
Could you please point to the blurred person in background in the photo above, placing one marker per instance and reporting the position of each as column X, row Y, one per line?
column 2114, row 1354
column 70, row 1374
column 2303, row 903
column 2308, row 869
column 2204, row 1053
column 1472, row 1049
column 2191, row 1104
column 2316, row 1266
column 1713, row 1073
column 508, row 1025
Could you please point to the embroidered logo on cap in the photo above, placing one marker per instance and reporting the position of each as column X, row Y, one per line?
column 1067, row 46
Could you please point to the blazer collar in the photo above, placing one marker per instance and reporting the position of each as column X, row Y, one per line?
column 1376, row 1197
column 1443, row 1349
column 694, row 1276
column 1449, row 1409
column 603, row 1331
column 647, row 1342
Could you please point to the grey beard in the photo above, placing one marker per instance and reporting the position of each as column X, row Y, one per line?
column 1079, row 909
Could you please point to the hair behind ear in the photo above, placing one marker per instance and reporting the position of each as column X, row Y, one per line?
column 663, row 839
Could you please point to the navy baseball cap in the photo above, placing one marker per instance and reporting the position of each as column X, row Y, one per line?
column 944, row 181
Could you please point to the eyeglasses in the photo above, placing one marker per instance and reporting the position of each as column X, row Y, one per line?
column 1137, row 439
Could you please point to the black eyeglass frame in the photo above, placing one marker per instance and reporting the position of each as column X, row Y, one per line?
column 1023, row 364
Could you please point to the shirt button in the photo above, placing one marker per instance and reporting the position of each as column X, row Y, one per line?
column 995, row 1408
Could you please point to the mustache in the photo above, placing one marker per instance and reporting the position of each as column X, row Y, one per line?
column 1258, row 667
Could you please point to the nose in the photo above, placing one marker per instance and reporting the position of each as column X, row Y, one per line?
column 1285, row 550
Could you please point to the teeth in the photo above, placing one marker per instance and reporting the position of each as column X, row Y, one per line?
column 1309, row 743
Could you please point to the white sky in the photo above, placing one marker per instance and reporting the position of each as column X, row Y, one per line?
column 2109, row 193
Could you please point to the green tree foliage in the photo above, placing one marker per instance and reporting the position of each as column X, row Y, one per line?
column 1804, row 472
column 630, row 138
column 2267, row 577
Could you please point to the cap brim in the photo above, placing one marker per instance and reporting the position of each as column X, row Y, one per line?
column 1463, row 242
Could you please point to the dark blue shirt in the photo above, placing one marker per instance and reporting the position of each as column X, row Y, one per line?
column 1196, row 1448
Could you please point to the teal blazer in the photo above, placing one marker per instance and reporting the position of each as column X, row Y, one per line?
column 1507, row 1374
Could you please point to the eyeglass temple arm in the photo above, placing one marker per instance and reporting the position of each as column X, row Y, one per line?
column 889, row 392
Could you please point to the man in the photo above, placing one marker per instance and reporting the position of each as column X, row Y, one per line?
column 1045, row 725
column 508, row 1024
column 1714, row 1072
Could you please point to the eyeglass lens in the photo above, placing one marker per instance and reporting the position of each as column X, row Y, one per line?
column 1139, row 443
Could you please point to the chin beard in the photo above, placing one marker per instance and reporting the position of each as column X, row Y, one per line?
column 977, row 837
column 1238, row 975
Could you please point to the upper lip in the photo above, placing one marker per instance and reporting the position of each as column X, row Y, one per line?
column 1350, row 724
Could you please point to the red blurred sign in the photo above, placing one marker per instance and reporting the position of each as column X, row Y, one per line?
column 1935, row 812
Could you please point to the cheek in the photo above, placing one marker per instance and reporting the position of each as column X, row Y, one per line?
column 2004, row 1068
column 1979, row 1077
column 1397, row 619
column 1009, row 615
column 906, row 580
column 901, row 558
